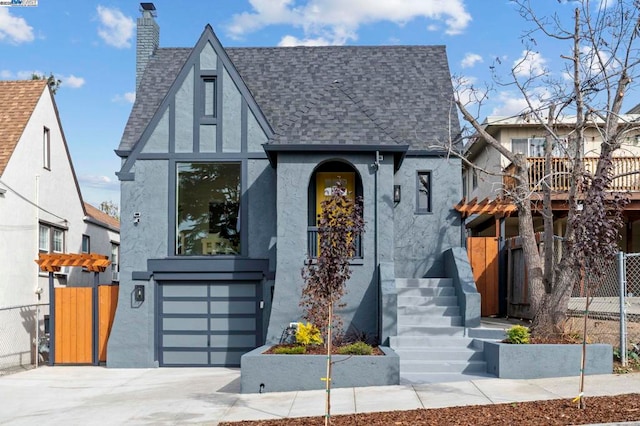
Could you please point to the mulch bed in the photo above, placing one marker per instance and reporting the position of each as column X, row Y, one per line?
column 320, row 350
column 603, row 409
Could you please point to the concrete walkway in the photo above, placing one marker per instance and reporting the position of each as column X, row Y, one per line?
column 166, row 396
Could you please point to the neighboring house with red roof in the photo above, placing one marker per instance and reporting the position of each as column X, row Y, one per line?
column 41, row 211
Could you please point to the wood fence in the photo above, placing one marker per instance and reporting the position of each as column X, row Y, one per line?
column 74, row 333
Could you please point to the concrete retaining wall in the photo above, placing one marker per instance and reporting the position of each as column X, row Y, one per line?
column 508, row 361
column 281, row 373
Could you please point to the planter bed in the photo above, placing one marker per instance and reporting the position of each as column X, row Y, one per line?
column 533, row 361
column 280, row 373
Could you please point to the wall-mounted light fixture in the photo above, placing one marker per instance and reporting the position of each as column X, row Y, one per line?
column 396, row 193
column 136, row 218
column 138, row 293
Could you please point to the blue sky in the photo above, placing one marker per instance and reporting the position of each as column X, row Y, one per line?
column 90, row 46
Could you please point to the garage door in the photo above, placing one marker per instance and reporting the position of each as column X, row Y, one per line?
column 207, row 324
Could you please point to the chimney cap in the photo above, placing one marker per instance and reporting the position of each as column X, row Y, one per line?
column 148, row 6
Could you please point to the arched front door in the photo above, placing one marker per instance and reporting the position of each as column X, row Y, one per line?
column 320, row 187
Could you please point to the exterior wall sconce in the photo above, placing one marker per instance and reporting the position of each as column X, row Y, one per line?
column 136, row 218
column 138, row 293
column 396, row 193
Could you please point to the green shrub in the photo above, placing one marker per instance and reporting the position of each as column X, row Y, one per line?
column 518, row 334
column 308, row 334
column 290, row 350
column 357, row 348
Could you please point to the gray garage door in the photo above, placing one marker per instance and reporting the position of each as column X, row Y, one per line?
column 207, row 324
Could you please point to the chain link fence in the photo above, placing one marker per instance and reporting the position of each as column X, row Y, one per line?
column 18, row 335
column 614, row 308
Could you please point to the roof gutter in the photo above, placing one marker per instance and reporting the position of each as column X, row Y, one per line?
column 399, row 151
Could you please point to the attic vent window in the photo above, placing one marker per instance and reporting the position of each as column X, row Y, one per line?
column 46, row 149
column 209, row 97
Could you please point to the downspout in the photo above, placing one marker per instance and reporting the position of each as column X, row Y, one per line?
column 37, row 321
column 376, row 166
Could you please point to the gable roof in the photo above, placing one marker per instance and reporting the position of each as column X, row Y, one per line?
column 373, row 95
column 101, row 218
column 18, row 100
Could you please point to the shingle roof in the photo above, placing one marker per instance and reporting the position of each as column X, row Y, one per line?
column 100, row 216
column 18, row 100
column 378, row 95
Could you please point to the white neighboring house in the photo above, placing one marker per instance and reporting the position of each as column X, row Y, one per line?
column 41, row 211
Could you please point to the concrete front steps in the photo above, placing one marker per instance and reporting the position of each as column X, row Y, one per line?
column 432, row 343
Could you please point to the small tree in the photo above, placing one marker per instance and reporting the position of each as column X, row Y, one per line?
column 340, row 223
column 53, row 82
column 110, row 208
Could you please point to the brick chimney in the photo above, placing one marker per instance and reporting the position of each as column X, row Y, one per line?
column 148, row 38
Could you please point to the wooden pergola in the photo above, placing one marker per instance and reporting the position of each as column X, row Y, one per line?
column 90, row 261
column 496, row 207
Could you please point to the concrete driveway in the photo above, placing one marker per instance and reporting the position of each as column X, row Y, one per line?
column 170, row 396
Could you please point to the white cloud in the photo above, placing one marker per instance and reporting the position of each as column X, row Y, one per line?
column 512, row 103
column 337, row 21
column 128, row 97
column 470, row 59
column 530, row 64
column 13, row 29
column 115, row 29
column 71, row 81
column 27, row 74
column 466, row 91
column 289, row 40
column 6, row 74
column 97, row 181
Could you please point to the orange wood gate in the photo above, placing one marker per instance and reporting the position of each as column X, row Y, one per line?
column 108, row 302
column 74, row 324
column 483, row 256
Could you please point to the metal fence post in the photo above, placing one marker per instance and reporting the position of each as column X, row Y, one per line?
column 623, row 311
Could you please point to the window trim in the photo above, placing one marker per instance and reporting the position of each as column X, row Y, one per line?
column 50, row 238
column 242, row 243
column 41, row 249
column 46, row 148
column 429, row 196
column 213, row 117
column 115, row 266
column 86, row 238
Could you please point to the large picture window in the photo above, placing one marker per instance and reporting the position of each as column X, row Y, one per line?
column 208, row 209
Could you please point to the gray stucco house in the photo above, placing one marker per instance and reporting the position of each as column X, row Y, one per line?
column 225, row 156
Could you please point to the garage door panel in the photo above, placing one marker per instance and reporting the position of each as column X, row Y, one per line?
column 233, row 290
column 233, row 340
column 233, row 307
column 185, row 340
column 233, row 324
column 184, row 307
column 180, row 290
column 207, row 324
column 185, row 358
column 185, row 324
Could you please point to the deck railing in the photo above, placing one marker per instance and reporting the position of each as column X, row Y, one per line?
column 624, row 167
column 312, row 243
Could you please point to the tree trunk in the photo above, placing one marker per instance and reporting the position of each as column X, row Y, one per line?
column 533, row 261
column 552, row 315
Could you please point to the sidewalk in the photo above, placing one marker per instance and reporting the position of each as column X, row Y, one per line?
column 97, row 395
